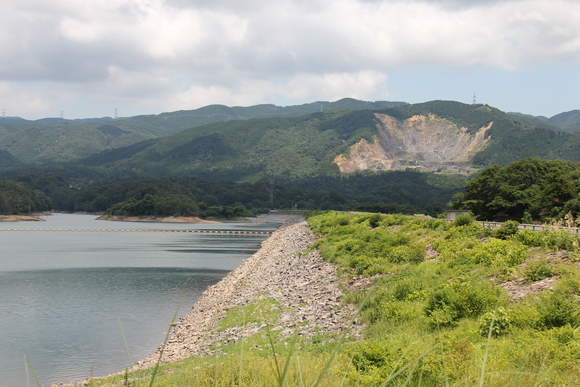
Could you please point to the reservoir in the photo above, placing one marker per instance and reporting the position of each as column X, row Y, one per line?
column 78, row 304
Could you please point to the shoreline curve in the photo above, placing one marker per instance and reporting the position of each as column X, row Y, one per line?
column 284, row 269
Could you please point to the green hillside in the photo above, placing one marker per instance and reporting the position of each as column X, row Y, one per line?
column 250, row 149
column 302, row 146
column 56, row 140
column 57, row 143
column 288, row 145
column 21, row 198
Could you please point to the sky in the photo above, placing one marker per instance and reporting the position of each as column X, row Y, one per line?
column 87, row 58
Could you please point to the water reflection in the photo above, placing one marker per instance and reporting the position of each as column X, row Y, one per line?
column 62, row 294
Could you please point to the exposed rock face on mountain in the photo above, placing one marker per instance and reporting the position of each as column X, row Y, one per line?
column 424, row 142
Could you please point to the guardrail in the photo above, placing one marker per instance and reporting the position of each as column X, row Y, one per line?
column 533, row 227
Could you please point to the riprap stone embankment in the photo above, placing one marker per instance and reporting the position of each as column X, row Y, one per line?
column 305, row 286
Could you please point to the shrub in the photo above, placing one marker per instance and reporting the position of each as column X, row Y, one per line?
column 370, row 354
column 463, row 220
column 538, row 270
column 499, row 253
column 529, row 238
column 557, row 309
column 506, row 230
column 343, row 220
column 459, row 299
column 455, row 248
column 527, row 218
column 425, row 223
column 375, row 220
column 559, row 239
column 473, row 229
column 499, row 321
column 394, row 220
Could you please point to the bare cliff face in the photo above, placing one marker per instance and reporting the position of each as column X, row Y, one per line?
column 426, row 142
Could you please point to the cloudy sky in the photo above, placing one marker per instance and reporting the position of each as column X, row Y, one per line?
column 86, row 58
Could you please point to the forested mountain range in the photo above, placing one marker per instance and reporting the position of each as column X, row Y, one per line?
column 57, row 140
column 320, row 154
column 346, row 136
column 60, row 140
column 438, row 135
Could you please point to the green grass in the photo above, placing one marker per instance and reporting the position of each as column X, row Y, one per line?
column 434, row 321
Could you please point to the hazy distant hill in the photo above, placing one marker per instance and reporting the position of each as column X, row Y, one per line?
column 55, row 139
column 568, row 121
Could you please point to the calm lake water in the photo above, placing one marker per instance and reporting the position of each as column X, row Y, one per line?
column 66, row 298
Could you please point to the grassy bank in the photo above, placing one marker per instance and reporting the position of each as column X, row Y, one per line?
column 445, row 304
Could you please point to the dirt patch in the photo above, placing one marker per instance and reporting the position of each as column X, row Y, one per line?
column 20, row 218
column 156, row 219
column 422, row 142
column 518, row 289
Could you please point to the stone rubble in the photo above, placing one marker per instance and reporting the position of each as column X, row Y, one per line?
column 305, row 287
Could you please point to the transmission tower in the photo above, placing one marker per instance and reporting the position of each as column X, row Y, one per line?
column 115, row 113
column 474, row 98
column 3, row 113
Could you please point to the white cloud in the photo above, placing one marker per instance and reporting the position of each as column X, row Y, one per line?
column 142, row 51
column 19, row 101
column 331, row 87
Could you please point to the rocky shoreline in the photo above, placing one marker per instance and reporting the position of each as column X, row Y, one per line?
column 21, row 218
column 155, row 219
column 299, row 280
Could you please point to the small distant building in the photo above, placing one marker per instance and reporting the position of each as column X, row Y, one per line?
column 453, row 214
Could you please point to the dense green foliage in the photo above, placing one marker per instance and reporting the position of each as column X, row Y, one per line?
column 174, row 205
column 408, row 192
column 539, row 188
column 472, row 117
column 177, row 196
column 20, row 198
column 303, row 146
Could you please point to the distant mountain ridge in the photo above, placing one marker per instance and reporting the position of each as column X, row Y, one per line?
column 568, row 121
column 247, row 144
column 437, row 135
column 55, row 139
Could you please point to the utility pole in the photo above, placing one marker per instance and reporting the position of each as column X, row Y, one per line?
column 272, row 189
